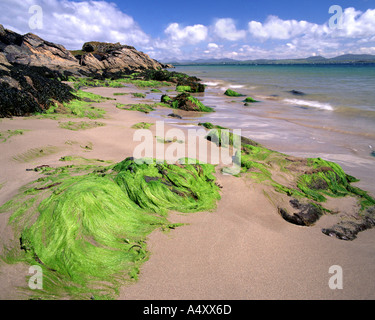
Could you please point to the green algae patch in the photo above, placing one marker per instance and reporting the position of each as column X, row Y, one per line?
column 86, row 226
column 139, row 95
column 250, row 100
column 6, row 135
column 142, row 125
column 165, row 141
column 232, row 93
column 165, row 99
column 184, row 89
column 76, row 108
column 81, row 125
column 36, row 153
column 209, row 125
column 181, row 187
column 81, row 82
column 141, row 107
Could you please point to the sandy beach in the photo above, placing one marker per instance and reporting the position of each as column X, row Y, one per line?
column 242, row 250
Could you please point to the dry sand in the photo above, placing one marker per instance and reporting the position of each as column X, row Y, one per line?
column 243, row 250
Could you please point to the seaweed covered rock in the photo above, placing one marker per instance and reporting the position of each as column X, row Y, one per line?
column 25, row 90
column 186, row 102
column 232, row 93
column 306, row 184
column 190, row 84
column 250, row 100
column 162, row 75
column 86, row 226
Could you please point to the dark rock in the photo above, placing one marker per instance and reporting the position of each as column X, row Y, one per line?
column 193, row 83
column 297, row 93
column 307, row 215
column 348, row 230
column 173, row 115
column 373, row 153
column 25, row 90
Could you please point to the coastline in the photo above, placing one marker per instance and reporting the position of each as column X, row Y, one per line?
column 293, row 129
column 242, row 250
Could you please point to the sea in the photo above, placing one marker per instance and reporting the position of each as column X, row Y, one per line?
column 325, row 111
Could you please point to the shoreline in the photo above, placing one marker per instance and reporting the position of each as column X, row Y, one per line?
column 243, row 250
column 293, row 130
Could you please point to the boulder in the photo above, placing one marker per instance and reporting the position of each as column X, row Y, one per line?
column 32, row 50
column 232, row 93
column 307, row 214
column 187, row 102
column 115, row 58
column 349, row 229
column 297, row 93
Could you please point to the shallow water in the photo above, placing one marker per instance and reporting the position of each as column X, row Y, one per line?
column 333, row 119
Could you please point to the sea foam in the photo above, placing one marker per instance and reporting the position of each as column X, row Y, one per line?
column 309, row 103
column 211, row 84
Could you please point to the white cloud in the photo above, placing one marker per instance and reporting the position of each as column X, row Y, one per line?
column 190, row 34
column 212, row 45
column 226, row 29
column 73, row 23
column 356, row 24
column 276, row 28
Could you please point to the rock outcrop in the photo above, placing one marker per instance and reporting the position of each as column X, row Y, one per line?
column 32, row 50
column 115, row 58
column 95, row 58
column 31, row 69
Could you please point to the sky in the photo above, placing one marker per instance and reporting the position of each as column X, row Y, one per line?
column 197, row 29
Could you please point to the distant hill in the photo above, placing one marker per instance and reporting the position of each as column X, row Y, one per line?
column 343, row 59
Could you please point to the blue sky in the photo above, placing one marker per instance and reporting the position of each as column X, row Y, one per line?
column 169, row 30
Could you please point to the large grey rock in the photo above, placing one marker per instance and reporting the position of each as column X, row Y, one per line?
column 95, row 58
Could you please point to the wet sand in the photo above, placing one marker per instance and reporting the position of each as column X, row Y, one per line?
column 242, row 250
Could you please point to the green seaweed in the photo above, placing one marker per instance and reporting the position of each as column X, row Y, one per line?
column 209, row 125
column 88, row 82
column 36, row 153
column 139, row 95
column 231, row 93
column 250, row 100
column 81, row 125
column 142, row 125
column 6, row 135
column 86, row 226
column 141, row 107
column 183, row 89
column 76, row 108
